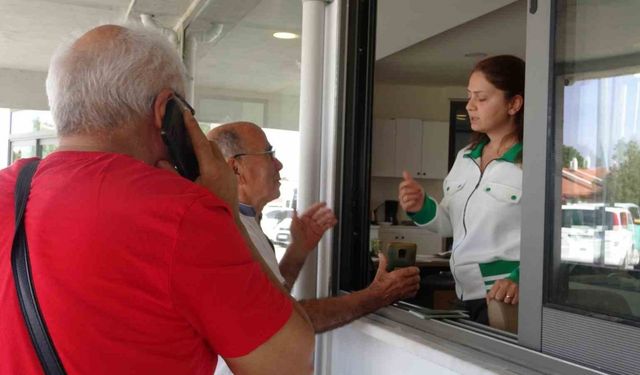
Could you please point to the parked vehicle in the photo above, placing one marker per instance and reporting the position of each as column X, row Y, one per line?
column 635, row 214
column 597, row 234
column 283, row 233
column 271, row 217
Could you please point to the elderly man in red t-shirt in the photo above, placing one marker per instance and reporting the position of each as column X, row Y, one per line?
column 130, row 274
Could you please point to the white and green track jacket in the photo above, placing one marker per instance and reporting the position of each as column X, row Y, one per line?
column 482, row 213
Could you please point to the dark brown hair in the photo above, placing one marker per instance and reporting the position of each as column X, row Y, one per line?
column 506, row 73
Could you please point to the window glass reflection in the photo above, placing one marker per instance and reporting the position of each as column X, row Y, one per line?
column 245, row 73
column 21, row 150
column 48, row 146
column 597, row 111
column 29, row 121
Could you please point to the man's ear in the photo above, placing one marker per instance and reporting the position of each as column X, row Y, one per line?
column 233, row 163
column 160, row 106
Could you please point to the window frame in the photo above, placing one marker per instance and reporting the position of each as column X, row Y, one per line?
column 610, row 344
column 39, row 137
column 538, row 326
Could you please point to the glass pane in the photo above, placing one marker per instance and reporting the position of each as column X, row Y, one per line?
column 48, row 146
column 597, row 88
column 420, row 70
column 23, row 149
column 243, row 72
column 28, row 121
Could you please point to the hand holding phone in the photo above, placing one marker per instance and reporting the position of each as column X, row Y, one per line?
column 177, row 139
column 213, row 173
column 400, row 254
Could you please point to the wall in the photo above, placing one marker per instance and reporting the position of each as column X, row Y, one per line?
column 23, row 89
column 420, row 20
column 389, row 348
column 19, row 89
column 281, row 110
column 404, row 101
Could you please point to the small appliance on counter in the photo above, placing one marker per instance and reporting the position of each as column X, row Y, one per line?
column 391, row 212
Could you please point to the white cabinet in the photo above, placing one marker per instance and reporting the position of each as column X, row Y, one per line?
column 383, row 158
column 419, row 147
column 408, row 146
column 435, row 149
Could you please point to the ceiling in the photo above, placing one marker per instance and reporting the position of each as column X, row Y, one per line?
column 31, row 29
column 246, row 57
column 440, row 60
column 594, row 30
column 403, row 23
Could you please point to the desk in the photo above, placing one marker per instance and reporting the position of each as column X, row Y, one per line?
column 431, row 261
column 437, row 288
column 427, row 261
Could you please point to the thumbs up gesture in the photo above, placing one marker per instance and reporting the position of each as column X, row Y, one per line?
column 410, row 194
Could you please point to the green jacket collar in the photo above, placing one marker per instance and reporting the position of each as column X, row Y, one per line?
column 510, row 156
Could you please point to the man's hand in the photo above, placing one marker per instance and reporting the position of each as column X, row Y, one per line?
column 410, row 194
column 389, row 287
column 506, row 291
column 307, row 229
column 215, row 174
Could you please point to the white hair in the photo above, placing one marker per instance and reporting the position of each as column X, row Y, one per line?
column 96, row 89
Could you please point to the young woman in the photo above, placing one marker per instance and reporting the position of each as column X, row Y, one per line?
column 481, row 204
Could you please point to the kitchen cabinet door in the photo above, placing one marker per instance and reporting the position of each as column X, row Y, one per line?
column 435, row 149
column 383, row 148
column 408, row 146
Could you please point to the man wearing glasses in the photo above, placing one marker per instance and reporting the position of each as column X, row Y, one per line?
column 249, row 154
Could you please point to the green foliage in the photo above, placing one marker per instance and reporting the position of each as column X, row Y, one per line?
column 623, row 182
column 568, row 153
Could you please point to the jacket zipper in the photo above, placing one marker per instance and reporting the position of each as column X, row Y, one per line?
column 464, row 216
column 464, row 212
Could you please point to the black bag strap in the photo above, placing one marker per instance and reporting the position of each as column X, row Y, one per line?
column 21, row 267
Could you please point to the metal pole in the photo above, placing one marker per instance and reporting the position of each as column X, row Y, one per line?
column 311, row 89
column 189, row 59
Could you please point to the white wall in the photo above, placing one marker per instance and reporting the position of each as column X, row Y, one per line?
column 404, row 101
column 19, row 89
column 281, row 109
column 422, row 19
column 423, row 102
column 5, row 118
column 390, row 349
column 23, row 89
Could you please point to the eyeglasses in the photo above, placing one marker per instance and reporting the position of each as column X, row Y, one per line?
column 271, row 153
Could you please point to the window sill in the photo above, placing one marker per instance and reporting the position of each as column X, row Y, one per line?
column 456, row 347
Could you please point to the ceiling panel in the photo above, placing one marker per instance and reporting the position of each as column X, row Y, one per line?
column 166, row 12
column 31, row 30
column 248, row 57
column 441, row 60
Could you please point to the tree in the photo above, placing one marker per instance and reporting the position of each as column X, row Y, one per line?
column 568, row 154
column 623, row 182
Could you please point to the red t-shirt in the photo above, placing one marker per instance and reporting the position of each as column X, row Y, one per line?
column 137, row 271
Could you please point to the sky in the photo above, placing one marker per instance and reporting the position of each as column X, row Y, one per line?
column 598, row 113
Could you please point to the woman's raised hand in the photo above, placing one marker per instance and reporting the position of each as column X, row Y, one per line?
column 410, row 194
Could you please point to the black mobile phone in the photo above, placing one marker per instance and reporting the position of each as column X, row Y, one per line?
column 177, row 139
